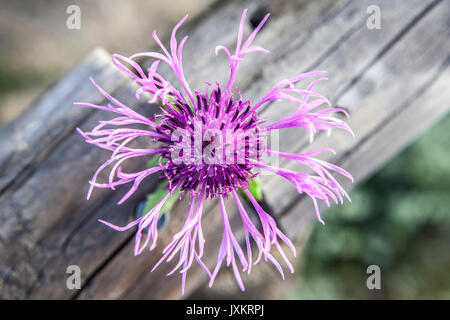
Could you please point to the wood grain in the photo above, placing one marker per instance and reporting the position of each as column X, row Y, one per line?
column 392, row 81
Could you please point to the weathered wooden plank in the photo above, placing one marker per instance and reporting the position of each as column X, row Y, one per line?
column 48, row 238
column 219, row 27
column 55, row 238
column 24, row 141
column 420, row 112
column 99, row 286
column 381, row 87
column 390, row 130
column 395, row 27
column 135, row 279
column 416, row 112
column 48, row 279
column 30, row 139
column 43, row 222
column 29, row 206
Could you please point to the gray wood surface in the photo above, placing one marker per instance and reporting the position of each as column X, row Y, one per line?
column 393, row 82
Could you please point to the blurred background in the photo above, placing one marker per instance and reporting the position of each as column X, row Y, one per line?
column 35, row 51
column 399, row 218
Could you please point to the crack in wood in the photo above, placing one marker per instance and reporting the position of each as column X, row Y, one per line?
column 115, row 251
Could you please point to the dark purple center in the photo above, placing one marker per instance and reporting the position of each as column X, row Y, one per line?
column 212, row 144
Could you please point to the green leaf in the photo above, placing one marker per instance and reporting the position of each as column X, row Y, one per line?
column 255, row 188
column 154, row 162
column 170, row 104
column 155, row 197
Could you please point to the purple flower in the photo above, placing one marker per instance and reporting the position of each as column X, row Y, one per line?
column 209, row 145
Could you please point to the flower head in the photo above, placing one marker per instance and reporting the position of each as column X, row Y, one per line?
column 210, row 144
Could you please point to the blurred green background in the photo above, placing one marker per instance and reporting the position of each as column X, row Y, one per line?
column 399, row 220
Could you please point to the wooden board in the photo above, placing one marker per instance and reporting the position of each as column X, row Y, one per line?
column 392, row 81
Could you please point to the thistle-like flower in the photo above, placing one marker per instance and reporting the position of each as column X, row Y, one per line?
column 211, row 144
